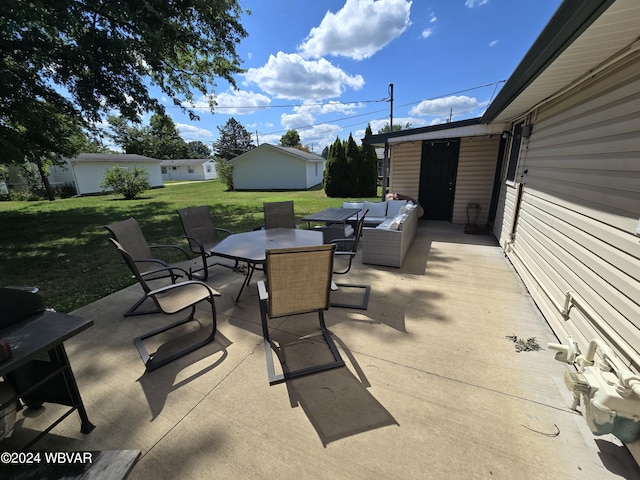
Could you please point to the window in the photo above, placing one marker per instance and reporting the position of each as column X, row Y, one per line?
column 190, row 169
column 163, row 170
column 208, row 168
column 514, row 152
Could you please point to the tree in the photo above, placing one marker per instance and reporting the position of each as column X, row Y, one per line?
column 336, row 174
column 368, row 178
column 163, row 139
column 53, row 136
column 396, row 128
column 197, row 149
column 225, row 172
column 234, row 140
column 84, row 59
column 290, row 139
column 160, row 139
column 130, row 182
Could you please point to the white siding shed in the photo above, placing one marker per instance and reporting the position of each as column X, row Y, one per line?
column 271, row 167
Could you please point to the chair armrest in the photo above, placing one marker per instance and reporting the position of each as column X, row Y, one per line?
column 351, row 255
column 197, row 243
column 224, row 230
column 341, row 244
column 178, row 247
column 164, row 268
column 166, row 288
column 262, row 291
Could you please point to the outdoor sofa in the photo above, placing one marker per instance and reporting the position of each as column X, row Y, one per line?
column 388, row 243
column 377, row 212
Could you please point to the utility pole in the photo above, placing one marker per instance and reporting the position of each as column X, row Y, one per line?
column 385, row 162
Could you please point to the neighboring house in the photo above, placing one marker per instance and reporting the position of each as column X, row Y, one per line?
column 270, row 167
column 189, row 169
column 565, row 205
column 85, row 172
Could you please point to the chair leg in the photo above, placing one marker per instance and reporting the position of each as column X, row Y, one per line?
column 132, row 311
column 148, row 359
column 270, row 347
column 365, row 301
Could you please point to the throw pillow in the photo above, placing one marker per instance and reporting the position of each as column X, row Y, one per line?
column 394, row 207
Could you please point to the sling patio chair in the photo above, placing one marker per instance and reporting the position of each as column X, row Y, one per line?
column 298, row 282
column 202, row 235
column 279, row 215
column 170, row 299
column 129, row 234
column 347, row 249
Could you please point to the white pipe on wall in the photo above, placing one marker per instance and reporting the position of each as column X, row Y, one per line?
column 572, row 299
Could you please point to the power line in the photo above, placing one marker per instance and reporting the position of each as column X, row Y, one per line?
column 305, row 127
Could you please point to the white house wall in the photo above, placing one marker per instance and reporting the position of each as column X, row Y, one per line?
column 266, row 169
column 89, row 175
column 576, row 227
column 315, row 171
column 181, row 172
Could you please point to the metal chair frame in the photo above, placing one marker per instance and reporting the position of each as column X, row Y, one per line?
column 198, row 225
column 350, row 253
column 167, row 300
column 269, row 297
column 129, row 235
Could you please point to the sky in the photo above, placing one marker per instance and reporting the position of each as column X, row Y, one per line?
column 324, row 67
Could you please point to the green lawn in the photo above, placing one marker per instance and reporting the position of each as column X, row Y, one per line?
column 61, row 247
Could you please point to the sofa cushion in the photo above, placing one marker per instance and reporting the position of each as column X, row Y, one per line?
column 386, row 224
column 394, row 207
column 358, row 205
column 376, row 209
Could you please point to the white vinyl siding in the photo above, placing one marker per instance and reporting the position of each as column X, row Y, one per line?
column 474, row 183
column 580, row 209
column 405, row 168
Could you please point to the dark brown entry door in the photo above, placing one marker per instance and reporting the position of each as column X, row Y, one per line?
column 438, row 168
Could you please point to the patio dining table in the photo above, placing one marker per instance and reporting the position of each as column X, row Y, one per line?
column 332, row 215
column 250, row 247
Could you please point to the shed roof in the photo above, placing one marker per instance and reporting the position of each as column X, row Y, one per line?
column 306, row 156
column 184, row 161
column 114, row 157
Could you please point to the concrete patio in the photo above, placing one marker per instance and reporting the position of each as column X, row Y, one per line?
column 433, row 387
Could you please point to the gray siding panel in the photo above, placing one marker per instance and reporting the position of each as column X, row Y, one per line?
column 474, row 182
column 580, row 209
column 405, row 168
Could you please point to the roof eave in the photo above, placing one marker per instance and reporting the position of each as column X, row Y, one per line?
column 571, row 19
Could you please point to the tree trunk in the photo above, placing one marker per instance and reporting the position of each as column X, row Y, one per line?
column 45, row 179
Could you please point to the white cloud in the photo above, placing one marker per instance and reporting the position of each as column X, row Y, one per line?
column 291, row 76
column 238, row 102
column 358, row 30
column 443, row 106
column 319, row 136
column 426, row 32
column 191, row 132
column 432, row 17
column 297, row 120
column 494, row 42
column 475, row 3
